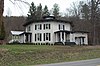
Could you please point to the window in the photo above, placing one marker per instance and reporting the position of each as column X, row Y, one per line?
column 46, row 26
column 47, row 36
column 61, row 27
column 35, row 27
column 38, row 27
column 38, row 37
column 29, row 28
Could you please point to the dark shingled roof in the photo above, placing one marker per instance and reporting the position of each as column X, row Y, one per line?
column 47, row 19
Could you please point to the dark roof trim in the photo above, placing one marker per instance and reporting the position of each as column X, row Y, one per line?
column 46, row 20
column 80, row 31
column 63, row 31
column 26, row 33
column 80, row 37
column 52, row 17
column 71, row 31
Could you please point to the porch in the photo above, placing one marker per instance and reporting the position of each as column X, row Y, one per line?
column 80, row 40
column 62, row 36
column 26, row 37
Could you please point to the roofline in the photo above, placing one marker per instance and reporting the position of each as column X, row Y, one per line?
column 46, row 20
column 71, row 31
column 80, row 31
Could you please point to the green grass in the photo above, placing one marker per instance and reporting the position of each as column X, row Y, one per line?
column 25, row 55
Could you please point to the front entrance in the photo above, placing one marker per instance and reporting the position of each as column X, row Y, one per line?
column 79, row 40
column 62, row 36
column 28, row 38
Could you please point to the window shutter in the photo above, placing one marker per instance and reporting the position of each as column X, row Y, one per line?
column 44, row 26
column 35, row 27
column 59, row 26
column 49, row 37
column 40, row 37
column 63, row 27
column 35, row 37
column 44, row 36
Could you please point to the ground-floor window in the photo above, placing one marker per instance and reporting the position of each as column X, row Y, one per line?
column 38, row 37
column 45, row 36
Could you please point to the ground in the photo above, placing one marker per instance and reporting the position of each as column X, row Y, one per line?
column 24, row 55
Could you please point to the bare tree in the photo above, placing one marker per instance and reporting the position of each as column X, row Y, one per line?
column 75, row 10
column 94, row 12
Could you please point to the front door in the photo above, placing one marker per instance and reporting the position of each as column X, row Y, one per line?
column 28, row 38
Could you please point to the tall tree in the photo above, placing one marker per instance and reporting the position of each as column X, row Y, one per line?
column 94, row 12
column 46, row 11
column 2, row 31
column 39, row 11
column 85, row 12
column 56, row 10
column 32, row 12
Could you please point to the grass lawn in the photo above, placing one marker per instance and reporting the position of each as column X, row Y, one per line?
column 25, row 55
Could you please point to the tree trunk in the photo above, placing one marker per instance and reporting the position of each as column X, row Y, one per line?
column 1, row 12
column 1, row 15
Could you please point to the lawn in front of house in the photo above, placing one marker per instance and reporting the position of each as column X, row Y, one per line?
column 24, row 55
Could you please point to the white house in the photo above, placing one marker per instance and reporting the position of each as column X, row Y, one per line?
column 51, row 30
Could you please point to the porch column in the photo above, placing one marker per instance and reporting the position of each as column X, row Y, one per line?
column 61, row 36
column 64, row 37
column 81, row 41
column 24, row 38
column 56, row 37
column 29, row 38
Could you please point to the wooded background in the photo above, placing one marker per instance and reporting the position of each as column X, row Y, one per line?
column 85, row 16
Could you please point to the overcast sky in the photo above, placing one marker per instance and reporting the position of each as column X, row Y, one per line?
column 17, row 8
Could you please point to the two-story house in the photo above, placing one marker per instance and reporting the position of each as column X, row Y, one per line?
column 51, row 30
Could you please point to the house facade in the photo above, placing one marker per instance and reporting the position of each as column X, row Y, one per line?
column 51, row 30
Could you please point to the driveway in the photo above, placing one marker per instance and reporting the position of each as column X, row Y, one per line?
column 92, row 62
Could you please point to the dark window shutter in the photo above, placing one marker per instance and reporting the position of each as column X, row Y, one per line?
column 40, row 37
column 44, row 26
column 44, row 36
column 63, row 27
column 49, row 37
column 59, row 26
column 35, row 37
column 35, row 27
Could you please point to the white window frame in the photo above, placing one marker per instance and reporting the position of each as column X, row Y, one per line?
column 47, row 26
column 38, row 37
column 38, row 27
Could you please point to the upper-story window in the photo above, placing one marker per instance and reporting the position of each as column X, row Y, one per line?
column 29, row 28
column 38, row 26
column 61, row 27
column 46, row 26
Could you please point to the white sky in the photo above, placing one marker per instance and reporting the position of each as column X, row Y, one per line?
column 22, row 10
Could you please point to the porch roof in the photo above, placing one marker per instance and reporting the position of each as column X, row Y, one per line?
column 81, row 37
column 66, row 31
column 25, row 33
